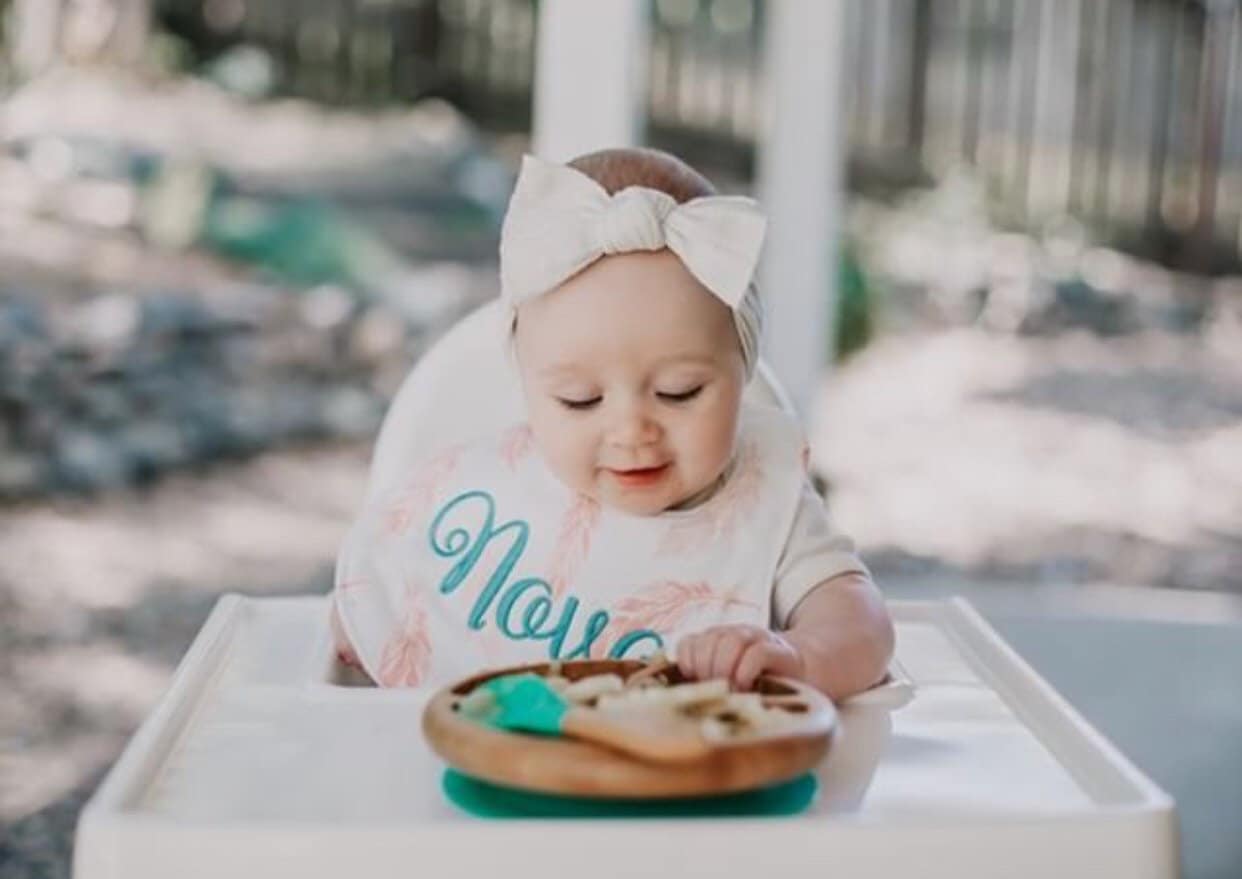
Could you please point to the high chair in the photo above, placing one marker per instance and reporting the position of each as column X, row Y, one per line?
column 265, row 758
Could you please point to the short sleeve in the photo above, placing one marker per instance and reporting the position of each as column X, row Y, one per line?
column 812, row 555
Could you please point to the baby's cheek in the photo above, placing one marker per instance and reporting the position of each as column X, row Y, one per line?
column 570, row 459
column 711, row 453
column 717, row 430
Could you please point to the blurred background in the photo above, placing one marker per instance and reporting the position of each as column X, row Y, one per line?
column 229, row 227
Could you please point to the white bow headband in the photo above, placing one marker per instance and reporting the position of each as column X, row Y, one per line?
column 560, row 221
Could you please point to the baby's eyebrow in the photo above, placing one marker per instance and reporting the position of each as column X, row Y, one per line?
column 687, row 360
column 561, row 370
column 573, row 370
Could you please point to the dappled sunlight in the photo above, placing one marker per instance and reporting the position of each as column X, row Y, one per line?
column 98, row 601
column 932, row 450
column 267, row 522
column 50, row 770
column 97, row 679
column 192, row 115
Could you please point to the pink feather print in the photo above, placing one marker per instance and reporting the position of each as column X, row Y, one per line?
column 573, row 545
column 718, row 517
column 515, row 444
column 662, row 607
column 407, row 654
column 421, row 491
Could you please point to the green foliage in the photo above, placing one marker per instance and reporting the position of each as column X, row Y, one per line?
column 856, row 306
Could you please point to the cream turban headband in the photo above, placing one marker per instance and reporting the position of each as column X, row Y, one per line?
column 560, row 221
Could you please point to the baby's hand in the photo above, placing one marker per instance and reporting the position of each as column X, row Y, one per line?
column 738, row 653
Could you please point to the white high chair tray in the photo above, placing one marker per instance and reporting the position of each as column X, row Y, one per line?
column 258, row 762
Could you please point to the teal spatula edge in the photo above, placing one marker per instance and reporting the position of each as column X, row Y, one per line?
column 523, row 702
column 486, row 800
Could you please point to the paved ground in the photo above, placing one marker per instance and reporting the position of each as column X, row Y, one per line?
column 1067, row 458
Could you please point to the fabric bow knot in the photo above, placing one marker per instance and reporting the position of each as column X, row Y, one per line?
column 560, row 221
column 633, row 219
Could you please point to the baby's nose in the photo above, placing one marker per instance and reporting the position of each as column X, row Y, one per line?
column 634, row 426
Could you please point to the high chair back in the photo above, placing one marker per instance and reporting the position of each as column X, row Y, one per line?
column 466, row 386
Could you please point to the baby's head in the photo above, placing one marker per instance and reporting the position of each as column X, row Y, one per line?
column 632, row 368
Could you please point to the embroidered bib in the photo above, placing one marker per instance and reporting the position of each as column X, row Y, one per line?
column 482, row 557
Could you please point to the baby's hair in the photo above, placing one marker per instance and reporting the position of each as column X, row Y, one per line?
column 616, row 169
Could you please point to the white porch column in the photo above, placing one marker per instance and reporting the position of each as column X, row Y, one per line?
column 800, row 171
column 590, row 76
column 36, row 40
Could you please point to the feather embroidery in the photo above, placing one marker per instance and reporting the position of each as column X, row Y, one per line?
column 407, row 655
column 717, row 519
column 573, row 545
column 421, row 491
column 662, row 607
column 516, row 444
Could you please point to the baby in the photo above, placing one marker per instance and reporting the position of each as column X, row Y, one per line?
column 643, row 506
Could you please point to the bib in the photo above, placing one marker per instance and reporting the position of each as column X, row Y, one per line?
column 483, row 558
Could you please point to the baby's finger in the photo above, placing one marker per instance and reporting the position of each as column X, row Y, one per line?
column 751, row 664
column 698, row 657
column 685, row 655
column 725, row 654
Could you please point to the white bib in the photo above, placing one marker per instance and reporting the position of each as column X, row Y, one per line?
column 484, row 558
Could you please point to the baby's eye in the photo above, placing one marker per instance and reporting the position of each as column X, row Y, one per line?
column 679, row 396
column 579, row 405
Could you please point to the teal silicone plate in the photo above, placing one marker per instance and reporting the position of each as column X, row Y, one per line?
column 486, row 800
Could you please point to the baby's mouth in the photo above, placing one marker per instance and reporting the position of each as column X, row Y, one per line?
column 640, row 476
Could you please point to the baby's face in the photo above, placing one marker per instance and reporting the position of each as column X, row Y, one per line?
column 633, row 378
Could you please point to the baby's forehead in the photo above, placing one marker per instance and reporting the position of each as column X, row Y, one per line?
column 593, row 347
column 570, row 366
column 621, row 287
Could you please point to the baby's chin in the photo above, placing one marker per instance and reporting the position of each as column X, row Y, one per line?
column 637, row 506
column 644, row 503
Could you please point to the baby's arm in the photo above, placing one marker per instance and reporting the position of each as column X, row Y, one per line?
column 840, row 640
column 843, row 635
column 833, row 629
